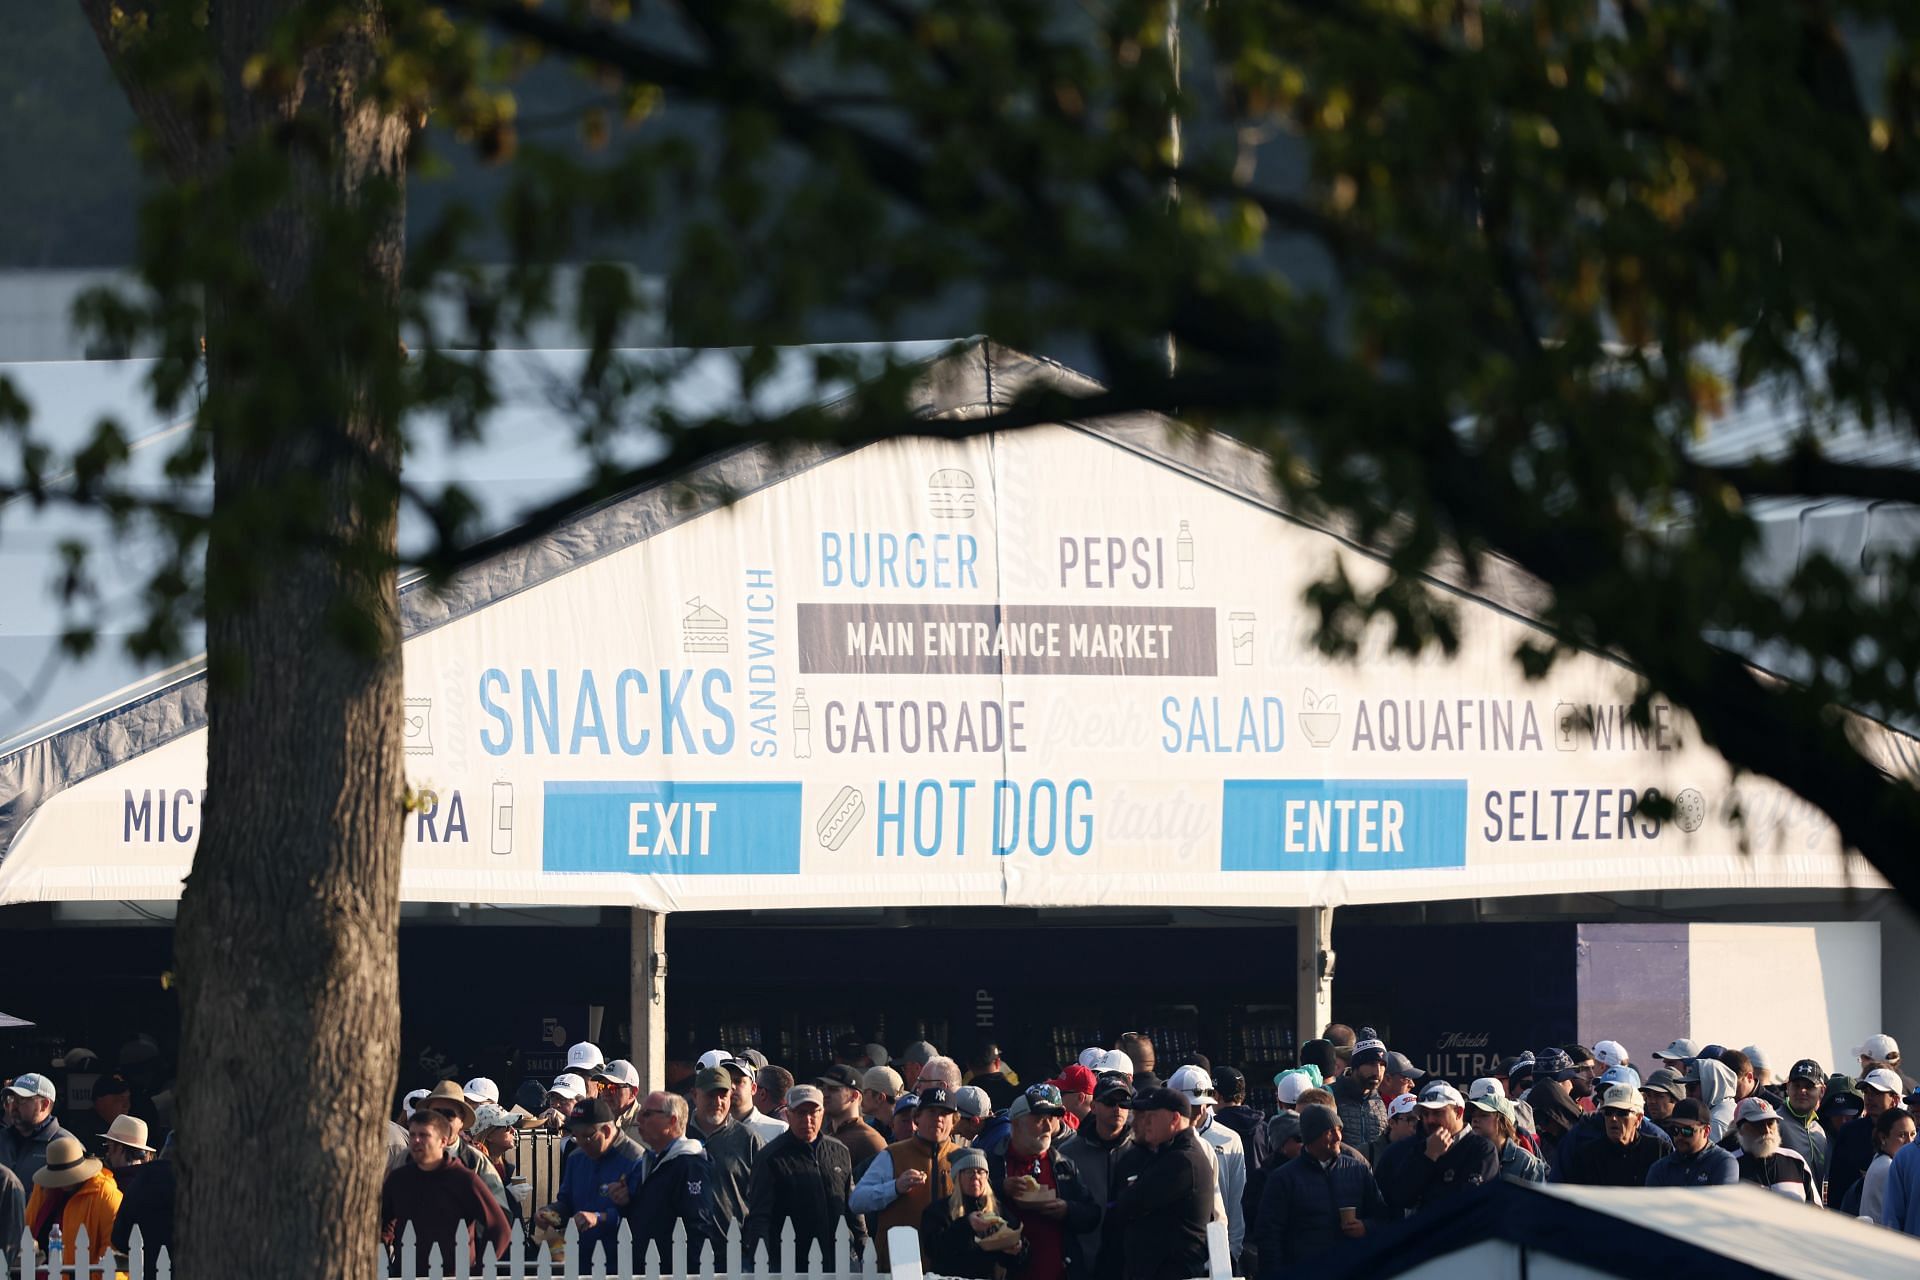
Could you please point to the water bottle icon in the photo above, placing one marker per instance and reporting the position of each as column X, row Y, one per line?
column 802, row 726
column 1183, row 553
column 55, row 1250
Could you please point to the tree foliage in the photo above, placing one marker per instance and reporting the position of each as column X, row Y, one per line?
column 1480, row 277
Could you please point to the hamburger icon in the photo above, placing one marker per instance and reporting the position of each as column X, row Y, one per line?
column 950, row 494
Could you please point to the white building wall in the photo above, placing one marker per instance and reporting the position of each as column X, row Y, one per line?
column 1792, row 989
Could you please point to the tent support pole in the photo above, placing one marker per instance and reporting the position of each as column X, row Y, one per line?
column 647, row 996
column 1313, row 975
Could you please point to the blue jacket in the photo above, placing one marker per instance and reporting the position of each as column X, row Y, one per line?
column 1300, row 1208
column 678, row 1188
column 1901, row 1208
column 1714, row 1167
column 581, row 1180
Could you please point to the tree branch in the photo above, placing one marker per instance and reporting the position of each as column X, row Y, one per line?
column 118, row 27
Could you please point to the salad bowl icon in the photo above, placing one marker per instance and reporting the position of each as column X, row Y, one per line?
column 1320, row 717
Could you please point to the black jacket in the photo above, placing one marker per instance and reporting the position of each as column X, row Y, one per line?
column 1608, row 1164
column 148, row 1205
column 678, row 1188
column 948, row 1246
column 1162, row 1215
column 805, row 1186
column 1848, row 1157
column 1411, row 1182
column 1083, row 1211
column 1782, row 1168
column 1252, row 1128
column 1300, row 1208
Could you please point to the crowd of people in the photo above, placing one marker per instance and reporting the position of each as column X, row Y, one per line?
column 1106, row 1171
column 1110, row 1171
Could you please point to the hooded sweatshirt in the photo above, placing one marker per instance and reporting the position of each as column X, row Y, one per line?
column 1717, row 1089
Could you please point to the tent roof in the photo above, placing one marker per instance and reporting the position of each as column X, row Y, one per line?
column 1733, row 1232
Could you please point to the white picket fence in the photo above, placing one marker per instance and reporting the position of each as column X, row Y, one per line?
column 539, row 1262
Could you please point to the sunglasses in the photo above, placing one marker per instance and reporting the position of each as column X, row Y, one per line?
column 448, row 1112
column 1617, row 1113
column 1683, row 1130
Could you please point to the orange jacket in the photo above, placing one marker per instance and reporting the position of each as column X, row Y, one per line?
column 93, row 1206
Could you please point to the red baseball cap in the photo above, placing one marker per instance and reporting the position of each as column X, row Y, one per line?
column 1075, row 1079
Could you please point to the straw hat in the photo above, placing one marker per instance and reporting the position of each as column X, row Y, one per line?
column 129, row 1131
column 68, row 1165
column 449, row 1092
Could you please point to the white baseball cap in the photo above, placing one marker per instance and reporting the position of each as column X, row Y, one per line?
column 1882, row 1079
column 569, row 1086
column 1612, row 1053
column 1195, row 1083
column 1879, row 1048
column 1755, row 1111
column 1622, row 1097
column 1486, row 1087
column 411, row 1103
column 1680, row 1050
column 713, row 1058
column 480, row 1089
column 1441, row 1095
column 585, row 1055
column 1289, row 1087
column 619, row 1071
column 1115, row 1060
column 1092, row 1056
column 1402, row 1104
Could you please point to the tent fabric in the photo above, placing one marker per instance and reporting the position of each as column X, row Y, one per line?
column 1716, row 1233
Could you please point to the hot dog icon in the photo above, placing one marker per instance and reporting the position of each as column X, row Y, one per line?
column 838, row 819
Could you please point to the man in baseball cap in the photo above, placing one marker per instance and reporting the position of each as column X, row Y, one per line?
column 1697, row 1161
column 913, row 1172
column 23, row 1144
column 1229, row 1152
column 1800, row 1129
column 1681, row 1050
column 1402, row 1077
column 880, row 1087
column 1852, row 1149
column 1764, row 1161
column 1626, row 1153
column 730, row 1145
column 1878, row 1050
column 1611, row 1053
column 1076, row 1093
column 1444, row 1158
column 840, row 1093
column 1660, row 1093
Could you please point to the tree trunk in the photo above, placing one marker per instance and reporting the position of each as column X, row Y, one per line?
column 287, row 933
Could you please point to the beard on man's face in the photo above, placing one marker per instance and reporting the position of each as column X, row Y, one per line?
column 1762, row 1143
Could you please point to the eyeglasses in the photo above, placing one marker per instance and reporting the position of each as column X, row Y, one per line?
column 1617, row 1113
column 1683, row 1130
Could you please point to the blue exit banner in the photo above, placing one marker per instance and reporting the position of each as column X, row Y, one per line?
column 673, row 828
column 1320, row 824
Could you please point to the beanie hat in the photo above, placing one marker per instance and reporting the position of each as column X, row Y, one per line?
column 1368, row 1048
column 1316, row 1121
